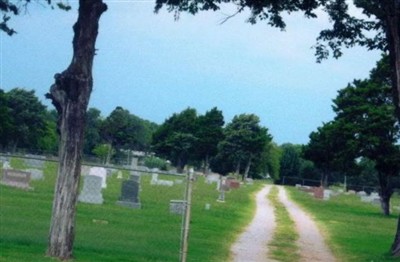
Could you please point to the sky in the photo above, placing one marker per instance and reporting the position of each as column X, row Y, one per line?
column 155, row 66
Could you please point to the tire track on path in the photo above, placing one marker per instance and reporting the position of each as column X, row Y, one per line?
column 252, row 244
column 311, row 244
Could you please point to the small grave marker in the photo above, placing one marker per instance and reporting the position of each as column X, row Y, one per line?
column 16, row 178
column 177, row 207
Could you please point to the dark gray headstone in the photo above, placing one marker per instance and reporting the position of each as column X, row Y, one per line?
column 130, row 193
column 91, row 191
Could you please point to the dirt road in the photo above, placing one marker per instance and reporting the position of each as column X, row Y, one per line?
column 252, row 244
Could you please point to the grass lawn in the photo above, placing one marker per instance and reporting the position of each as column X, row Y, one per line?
column 110, row 232
column 356, row 231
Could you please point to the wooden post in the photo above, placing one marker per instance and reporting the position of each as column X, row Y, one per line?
column 186, row 221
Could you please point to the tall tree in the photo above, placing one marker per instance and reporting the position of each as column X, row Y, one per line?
column 28, row 118
column 70, row 95
column 209, row 133
column 92, row 130
column 244, row 141
column 5, row 120
column 366, row 110
column 290, row 162
column 175, row 139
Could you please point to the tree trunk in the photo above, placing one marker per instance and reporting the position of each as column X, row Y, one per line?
column 206, row 165
column 385, row 192
column 396, row 243
column 247, row 169
column 392, row 10
column 237, row 171
column 70, row 95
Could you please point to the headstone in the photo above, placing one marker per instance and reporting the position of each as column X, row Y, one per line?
column 35, row 162
column 91, row 191
column 361, row 193
column 16, row 178
column 233, row 184
column 154, row 179
column 177, row 207
column 221, row 197
column 249, row 181
column 85, row 170
column 162, row 182
column 207, row 206
column 327, row 194
column 36, row 174
column 319, row 192
column 134, row 163
column 130, row 193
column 178, row 181
column 6, row 165
column 100, row 172
column 119, row 174
column 211, row 178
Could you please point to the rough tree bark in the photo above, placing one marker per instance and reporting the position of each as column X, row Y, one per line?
column 70, row 95
column 385, row 192
column 392, row 11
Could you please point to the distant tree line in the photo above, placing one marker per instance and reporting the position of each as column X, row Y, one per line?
column 243, row 146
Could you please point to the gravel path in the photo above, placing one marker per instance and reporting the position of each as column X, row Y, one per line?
column 311, row 243
column 252, row 244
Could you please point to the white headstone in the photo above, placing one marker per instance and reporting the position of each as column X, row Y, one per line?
column 91, row 191
column 100, row 172
column 154, row 179
column 6, row 165
column 119, row 174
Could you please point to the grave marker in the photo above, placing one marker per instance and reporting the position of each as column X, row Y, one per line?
column 91, row 191
column 100, row 172
column 130, row 192
column 16, row 178
column 177, row 207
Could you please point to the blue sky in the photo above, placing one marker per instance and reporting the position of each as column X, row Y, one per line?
column 154, row 66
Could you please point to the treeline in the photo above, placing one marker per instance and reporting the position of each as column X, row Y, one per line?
column 28, row 126
column 186, row 138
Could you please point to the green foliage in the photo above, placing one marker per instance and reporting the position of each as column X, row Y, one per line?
column 245, row 141
column 28, row 119
column 156, row 162
column 92, row 130
column 125, row 131
column 102, row 151
column 290, row 161
column 176, row 138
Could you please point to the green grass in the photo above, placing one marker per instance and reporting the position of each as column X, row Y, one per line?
column 283, row 246
column 110, row 232
column 355, row 231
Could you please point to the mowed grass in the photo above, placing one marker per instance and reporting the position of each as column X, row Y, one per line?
column 110, row 232
column 355, row 231
column 283, row 246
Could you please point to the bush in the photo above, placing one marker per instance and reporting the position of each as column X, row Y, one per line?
column 156, row 162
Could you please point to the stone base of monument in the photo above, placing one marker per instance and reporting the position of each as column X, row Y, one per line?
column 129, row 204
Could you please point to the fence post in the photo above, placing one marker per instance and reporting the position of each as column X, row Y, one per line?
column 186, row 219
